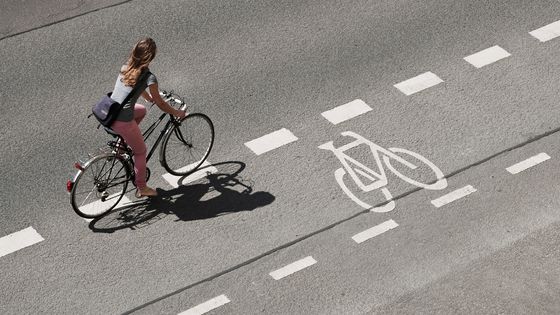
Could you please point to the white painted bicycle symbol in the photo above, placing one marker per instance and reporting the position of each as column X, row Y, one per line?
column 379, row 179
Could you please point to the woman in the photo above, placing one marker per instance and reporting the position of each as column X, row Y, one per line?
column 132, row 114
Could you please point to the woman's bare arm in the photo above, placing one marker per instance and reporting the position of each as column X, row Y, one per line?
column 147, row 96
column 163, row 105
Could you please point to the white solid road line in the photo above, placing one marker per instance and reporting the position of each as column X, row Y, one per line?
column 346, row 111
column 271, row 141
column 207, row 306
column 454, row 195
column 203, row 171
column 528, row 163
column 418, row 83
column 547, row 32
column 487, row 56
column 374, row 231
column 18, row 240
column 293, row 268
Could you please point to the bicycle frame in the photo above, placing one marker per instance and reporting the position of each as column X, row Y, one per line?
column 146, row 134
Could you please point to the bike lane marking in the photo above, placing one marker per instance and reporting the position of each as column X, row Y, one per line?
column 203, row 171
column 453, row 196
column 374, row 231
column 418, row 83
column 271, row 141
column 207, row 306
column 293, row 268
column 528, row 163
column 346, row 111
column 19, row 240
column 547, row 32
column 487, row 56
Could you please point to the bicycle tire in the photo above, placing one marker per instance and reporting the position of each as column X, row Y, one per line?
column 187, row 145
column 436, row 184
column 100, row 185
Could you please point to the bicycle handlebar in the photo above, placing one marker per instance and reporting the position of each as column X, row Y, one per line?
column 170, row 96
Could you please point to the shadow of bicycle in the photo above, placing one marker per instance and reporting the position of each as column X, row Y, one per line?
column 219, row 193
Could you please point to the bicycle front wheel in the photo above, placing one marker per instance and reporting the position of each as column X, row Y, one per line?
column 187, row 145
column 99, row 186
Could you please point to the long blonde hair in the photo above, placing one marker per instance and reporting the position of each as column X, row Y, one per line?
column 140, row 57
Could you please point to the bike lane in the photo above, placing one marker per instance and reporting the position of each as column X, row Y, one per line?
column 283, row 221
column 139, row 256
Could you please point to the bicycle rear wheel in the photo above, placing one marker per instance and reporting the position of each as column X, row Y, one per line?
column 99, row 186
column 187, row 145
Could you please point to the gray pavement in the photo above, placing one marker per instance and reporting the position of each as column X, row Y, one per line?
column 18, row 17
column 256, row 67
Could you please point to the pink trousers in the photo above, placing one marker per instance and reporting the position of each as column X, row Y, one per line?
column 132, row 135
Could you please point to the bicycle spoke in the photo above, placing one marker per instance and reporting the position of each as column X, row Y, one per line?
column 86, row 199
column 180, row 136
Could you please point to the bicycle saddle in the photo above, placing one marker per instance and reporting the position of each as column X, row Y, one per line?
column 111, row 132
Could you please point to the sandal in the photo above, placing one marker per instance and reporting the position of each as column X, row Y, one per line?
column 146, row 192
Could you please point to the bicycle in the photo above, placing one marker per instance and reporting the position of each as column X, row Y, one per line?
column 101, row 182
column 379, row 179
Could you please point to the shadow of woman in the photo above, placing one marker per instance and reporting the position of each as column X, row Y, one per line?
column 214, row 195
column 222, row 194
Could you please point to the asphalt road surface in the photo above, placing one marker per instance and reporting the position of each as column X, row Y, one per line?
column 279, row 225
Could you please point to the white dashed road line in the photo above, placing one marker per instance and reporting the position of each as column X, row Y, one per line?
column 453, row 196
column 203, row 171
column 271, row 141
column 547, row 32
column 293, row 268
column 374, row 231
column 207, row 306
column 418, row 83
column 346, row 111
column 487, row 56
column 18, row 240
column 528, row 163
